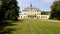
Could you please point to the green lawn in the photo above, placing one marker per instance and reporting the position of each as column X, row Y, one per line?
column 37, row 27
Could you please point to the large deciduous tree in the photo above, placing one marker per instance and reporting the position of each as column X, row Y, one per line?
column 55, row 10
column 8, row 11
column 12, row 10
column 2, row 13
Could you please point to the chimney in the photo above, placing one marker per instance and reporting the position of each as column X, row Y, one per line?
column 30, row 5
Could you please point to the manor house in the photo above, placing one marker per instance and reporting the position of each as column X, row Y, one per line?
column 32, row 13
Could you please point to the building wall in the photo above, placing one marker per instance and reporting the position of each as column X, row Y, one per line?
column 33, row 12
column 30, row 12
column 38, row 17
column 45, row 16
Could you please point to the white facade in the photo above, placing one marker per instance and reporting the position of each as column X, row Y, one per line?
column 38, row 17
column 32, row 13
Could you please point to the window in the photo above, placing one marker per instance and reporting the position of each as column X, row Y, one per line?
column 21, row 16
column 43, row 16
column 37, row 10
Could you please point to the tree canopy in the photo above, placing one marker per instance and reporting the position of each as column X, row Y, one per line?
column 55, row 10
column 8, row 11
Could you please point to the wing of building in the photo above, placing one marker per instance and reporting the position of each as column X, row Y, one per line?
column 32, row 13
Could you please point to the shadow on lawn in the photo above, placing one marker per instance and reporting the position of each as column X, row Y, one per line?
column 4, row 30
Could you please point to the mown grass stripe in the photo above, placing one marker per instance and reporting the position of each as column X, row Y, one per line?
column 27, row 31
column 52, row 28
column 44, row 29
column 32, row 29
column 38, row 30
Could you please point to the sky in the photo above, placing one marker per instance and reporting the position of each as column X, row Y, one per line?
column 43, row 5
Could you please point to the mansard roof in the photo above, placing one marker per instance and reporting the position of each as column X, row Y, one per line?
column 31, row 9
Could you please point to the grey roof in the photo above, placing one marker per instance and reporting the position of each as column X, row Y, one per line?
column 31, row 8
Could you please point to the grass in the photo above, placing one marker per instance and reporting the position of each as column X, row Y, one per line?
column 32, row 26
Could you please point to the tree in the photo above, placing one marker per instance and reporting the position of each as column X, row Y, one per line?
column 55, row 10
column 10, row 9
column 43, row 13
column 1, row 11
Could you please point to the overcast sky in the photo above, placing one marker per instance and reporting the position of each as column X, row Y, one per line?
column 43, row 5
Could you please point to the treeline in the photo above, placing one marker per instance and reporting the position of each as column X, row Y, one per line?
column 45, row 13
